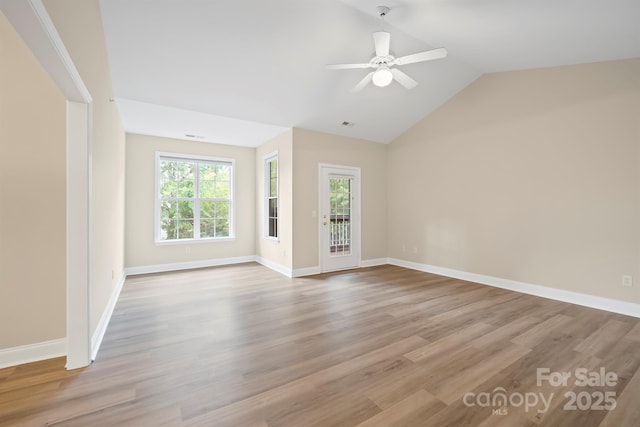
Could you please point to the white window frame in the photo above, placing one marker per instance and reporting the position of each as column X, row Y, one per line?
column 266, row 177
column 232, row 202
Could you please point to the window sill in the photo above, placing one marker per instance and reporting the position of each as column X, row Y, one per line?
column 194, row 241
column 271, row 239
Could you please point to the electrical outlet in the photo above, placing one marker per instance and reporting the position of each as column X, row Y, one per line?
column 415, row 249
column 627, row 281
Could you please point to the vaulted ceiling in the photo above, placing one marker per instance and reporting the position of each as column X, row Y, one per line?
column 241, row 71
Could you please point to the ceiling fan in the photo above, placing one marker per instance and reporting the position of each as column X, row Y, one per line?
column 383, row 62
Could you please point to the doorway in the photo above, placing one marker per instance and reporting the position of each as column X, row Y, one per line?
column 339, row 217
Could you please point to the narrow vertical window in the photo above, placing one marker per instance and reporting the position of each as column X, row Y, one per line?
column 271, row 195
column 194, row 198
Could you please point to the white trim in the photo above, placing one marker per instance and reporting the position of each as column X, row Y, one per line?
column 373, row 262
column 32, row 352
column 195, row 241
column 279, row 268
column 197, row 157
column 56, row 348
column 306, row 271
column 266, row 180
column 78, row 234
column 98, row 334
column 160, row 268
column 268, row 156
column 600, row 303
column 31, row 20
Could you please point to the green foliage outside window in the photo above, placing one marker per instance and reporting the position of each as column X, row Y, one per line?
column 187, row 215
column 340, row 196
column 272, row 197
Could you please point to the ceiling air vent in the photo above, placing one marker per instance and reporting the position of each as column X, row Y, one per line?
column 190, row 135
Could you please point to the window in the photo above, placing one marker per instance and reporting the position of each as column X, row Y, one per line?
column 340, row 216
column 194, row 198
column 271, row 195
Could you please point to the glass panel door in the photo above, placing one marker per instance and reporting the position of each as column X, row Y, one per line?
column 340, row 216
column 339, row 225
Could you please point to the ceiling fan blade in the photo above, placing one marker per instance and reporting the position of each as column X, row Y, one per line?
column 346, row 66
column 381, row 39
column 403, row 79
column 422, row 56
column 363, row 83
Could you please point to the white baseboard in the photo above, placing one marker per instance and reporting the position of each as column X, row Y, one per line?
column 98, row 334
column 57, row 348
column 33, row 352
column 601, row 303
column 373, row 262
column 307, row 271
column 160, row 268
column 286, row 271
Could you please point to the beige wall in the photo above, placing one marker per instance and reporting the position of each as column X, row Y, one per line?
column 140, row 247
column 532, row 176
column 80, row 26
column 279, row 251
column 311, row 148
column 32, row 198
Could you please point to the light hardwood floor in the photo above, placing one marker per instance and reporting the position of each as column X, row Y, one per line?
column 382, row 346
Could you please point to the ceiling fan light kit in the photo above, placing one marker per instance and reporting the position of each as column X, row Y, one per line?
column 382, row 77
column 383, row 62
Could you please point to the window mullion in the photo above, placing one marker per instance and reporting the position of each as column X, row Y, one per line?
column 196, row 204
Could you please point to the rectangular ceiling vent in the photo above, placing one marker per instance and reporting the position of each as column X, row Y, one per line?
column 190, row 135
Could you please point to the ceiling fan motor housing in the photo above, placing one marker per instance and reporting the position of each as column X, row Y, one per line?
column 377, row 61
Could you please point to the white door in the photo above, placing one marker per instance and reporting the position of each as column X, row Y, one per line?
column 339, row 218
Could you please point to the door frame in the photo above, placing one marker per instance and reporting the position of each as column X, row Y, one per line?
column 356, row 235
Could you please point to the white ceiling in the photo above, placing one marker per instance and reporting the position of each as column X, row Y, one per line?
column 241, row 71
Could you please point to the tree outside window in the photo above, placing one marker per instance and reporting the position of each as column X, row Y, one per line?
column 194, row 198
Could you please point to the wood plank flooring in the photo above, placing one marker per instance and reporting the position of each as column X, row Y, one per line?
column 382, row 346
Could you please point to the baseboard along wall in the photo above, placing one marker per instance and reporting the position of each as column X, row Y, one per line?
column 57, row 348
